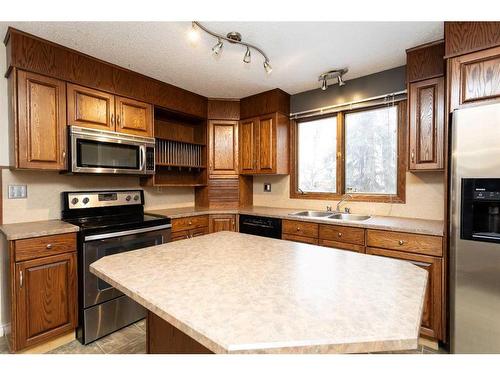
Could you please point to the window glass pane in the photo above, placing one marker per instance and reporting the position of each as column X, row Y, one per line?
column 317, row 155
column 371, row 151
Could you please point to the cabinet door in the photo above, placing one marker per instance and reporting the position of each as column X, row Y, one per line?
column 91, row 108
column 267, row 140
column 474, row 78
column 427, row 124
column 41, row 127
column 223, row 148
column 134, row 117
column 247, row 148
column 220, row 223
column 433, row 302
column 46, row 298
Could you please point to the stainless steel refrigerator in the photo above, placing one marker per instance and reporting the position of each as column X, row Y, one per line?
column 475, row 230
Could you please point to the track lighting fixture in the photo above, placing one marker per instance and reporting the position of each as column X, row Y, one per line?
column 332, row 74
column 268, row 67
column 324, row 84
column 247, row 57
column 233, row 38
column 218, row 47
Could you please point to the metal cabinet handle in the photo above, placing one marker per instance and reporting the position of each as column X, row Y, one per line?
column 413, row 156
column 118, row 119
column 339, row 234
column 401, row 242
column 112, row 119
column 49, row 246
column 20, row 278
column 190, row 223
column 298, row 229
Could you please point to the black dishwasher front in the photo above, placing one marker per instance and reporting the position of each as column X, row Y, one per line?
column 260, row 226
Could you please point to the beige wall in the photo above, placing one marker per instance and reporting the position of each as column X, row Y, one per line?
column 424, row 197
column 44, row 198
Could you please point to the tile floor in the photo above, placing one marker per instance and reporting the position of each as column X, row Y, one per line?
column 132, row 340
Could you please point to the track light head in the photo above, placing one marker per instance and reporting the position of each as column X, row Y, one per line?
column 217, row 49
column 324, row 84
column 247, row 57
column 267, row 67
column 341, row 80
column 193, row 34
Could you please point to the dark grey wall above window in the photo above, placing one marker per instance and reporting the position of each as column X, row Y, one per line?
column 381, row 83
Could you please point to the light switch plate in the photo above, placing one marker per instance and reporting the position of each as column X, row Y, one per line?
column 18, row 191
column 267, row 187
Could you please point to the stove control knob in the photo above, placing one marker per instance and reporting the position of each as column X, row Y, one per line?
column 74, row 201
column 136, row 198
column 128, row 198
column 86, row 200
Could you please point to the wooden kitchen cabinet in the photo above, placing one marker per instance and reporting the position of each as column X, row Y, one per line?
column 38, row 111
column 189, row 227
column 426, row 122
column 133, row 117
column 90, row 108
column 100, row 110
column 264, row 144
column 220, row 223
column 223, row 149
column 432, row 318
column 43, row 289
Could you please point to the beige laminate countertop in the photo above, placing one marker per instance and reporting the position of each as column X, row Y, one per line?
column 237, row 293
column 398, row 224
column 18, row 231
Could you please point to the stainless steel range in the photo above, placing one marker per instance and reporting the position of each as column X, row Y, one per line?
column 110, row 222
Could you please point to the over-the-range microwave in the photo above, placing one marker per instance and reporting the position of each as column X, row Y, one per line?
column 99, row 151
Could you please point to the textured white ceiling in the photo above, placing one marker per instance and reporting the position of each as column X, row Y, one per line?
column 298, row 51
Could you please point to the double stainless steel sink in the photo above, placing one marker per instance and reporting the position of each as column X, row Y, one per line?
column 331, row 215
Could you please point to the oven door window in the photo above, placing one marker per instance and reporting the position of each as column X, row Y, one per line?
column 94, row 154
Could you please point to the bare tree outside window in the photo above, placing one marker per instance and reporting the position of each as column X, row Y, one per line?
column 317, row 155
column 371, row 139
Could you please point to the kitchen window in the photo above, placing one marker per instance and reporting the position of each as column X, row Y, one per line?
column 359, row 152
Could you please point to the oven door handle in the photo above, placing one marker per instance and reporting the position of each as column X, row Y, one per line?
column 126, row 232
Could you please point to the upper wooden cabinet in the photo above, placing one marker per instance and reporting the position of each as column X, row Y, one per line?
column 426, row 111
column 264, row 144
column 474, row 78
column 90, row 108
column 223, row 148
column 40, row 121
column 426, row 115
column 133, row 117
column 96, row 109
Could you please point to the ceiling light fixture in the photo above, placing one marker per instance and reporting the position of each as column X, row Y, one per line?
column 247, row 57
column 234, row 38
column 218, row 47
column 332, row 74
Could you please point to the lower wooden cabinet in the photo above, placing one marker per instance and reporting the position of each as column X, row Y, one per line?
column 219, row 223
column 433, row 305
column 189, row 227
column 43, row 292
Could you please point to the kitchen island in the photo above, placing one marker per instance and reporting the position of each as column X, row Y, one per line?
column 235, row 293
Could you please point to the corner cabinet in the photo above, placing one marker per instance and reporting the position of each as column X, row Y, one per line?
column 426, row 119
column 223, row 222
column 263, row 145
column 223, row 148
column 43, row 284
column 38, row 114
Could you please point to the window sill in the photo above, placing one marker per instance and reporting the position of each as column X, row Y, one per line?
column 376, row 198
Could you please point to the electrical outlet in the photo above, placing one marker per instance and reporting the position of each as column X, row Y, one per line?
column 267, row 187
column 18, row 191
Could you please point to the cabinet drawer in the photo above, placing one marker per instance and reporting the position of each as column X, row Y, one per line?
column 342, row 245
column 292, row 237
column 39, row 247
column 300, row 228
column 411, row 243
column 342, row 234
column 187, row 223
